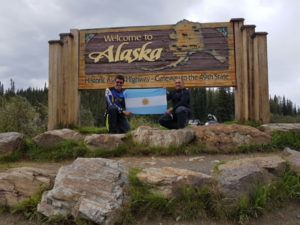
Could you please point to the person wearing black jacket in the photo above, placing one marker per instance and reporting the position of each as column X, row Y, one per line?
column 177, row 116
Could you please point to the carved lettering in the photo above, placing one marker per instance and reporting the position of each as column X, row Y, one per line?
column 127, row 55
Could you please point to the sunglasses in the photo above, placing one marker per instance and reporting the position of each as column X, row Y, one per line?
column 119, row 82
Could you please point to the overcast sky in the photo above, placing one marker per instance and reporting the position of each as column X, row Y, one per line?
column 28, row 25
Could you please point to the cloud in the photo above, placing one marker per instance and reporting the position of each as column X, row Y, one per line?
column 28, row 25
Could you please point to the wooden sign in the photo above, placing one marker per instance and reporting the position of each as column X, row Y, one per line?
column 203, row 54
column 154, row 56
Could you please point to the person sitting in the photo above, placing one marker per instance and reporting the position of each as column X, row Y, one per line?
column 116, row 122
column 177, row 116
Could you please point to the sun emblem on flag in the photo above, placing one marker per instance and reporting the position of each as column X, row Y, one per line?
column 145, row 101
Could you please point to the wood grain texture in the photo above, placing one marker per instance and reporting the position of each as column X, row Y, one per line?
column 264, row 105
column 238, row 43
column 215, row 54
column 55, row 71
column 63, row 100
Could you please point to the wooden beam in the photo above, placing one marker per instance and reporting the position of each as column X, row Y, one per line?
column 238, row 44
column 247, row 31
column 55, row 71
column 68, row 113
column 262, row 112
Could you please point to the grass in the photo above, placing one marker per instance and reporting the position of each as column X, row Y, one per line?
column 216, row 167
column 70, row 149
column 189, row 203
column 193, row 203
column 29, row 207
column 266, row 197
column 67, row 149
column 144, row 120
column 91, row 130
column 246, row 123
column 286, row 139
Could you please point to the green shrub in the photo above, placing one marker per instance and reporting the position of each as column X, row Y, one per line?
column 13, row 157
column 19, row 116
column 286, row 139
column 86, row 117
column 275, row 118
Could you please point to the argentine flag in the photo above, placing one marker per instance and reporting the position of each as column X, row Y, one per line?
column 146, row 101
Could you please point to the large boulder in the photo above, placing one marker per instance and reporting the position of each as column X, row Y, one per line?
column 162, row 138
column 224, row 138
column 239, row 177
column 10, row 141
column 165, row 181
column 270, row 127
column 51, row 138
column 92, row 188
column 18, row 184
column 103, row 141
column 293, row 158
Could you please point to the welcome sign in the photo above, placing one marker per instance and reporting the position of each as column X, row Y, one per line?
column 154, row 56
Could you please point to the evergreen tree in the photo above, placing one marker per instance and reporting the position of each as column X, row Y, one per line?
column 211, row 101
column 224, row 111
column 198, row 103
column 11, row 91
column 1, row 89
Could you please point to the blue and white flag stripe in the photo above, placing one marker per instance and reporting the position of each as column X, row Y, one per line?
column 146, row 101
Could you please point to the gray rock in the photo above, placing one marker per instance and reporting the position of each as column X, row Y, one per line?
column 165, row 181
column 103, row 141
column 270, row 127
column 18, row 184
column 51, row 138
column 92, row 188
column 290, row 151
column 10, row 141
column 162, row 138
column 294, row 160
column 238, row 177
column 227, row 137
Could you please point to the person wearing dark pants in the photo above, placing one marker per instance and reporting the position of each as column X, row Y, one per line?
column 177, row 116
column 116, row 122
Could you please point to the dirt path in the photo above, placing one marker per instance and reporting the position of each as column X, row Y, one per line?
column 286, row 215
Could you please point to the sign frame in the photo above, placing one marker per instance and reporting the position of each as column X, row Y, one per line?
column 159, row 78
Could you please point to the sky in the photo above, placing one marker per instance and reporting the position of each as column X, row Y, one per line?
column 28, row 25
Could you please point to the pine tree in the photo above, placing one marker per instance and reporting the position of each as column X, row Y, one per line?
column 224, row 107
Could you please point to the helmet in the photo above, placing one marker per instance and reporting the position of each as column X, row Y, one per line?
column 210, row 117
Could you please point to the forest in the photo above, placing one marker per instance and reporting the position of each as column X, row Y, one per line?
column 25, row 110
